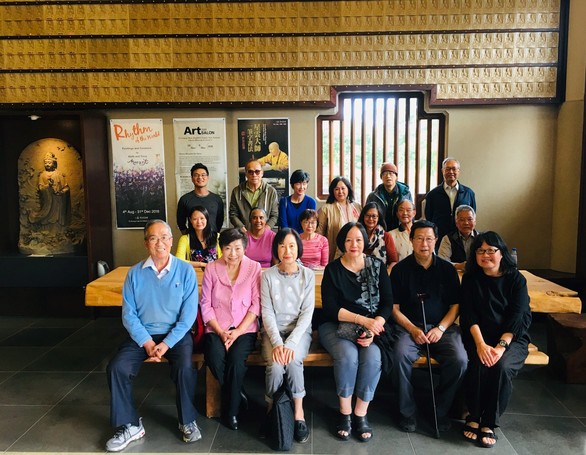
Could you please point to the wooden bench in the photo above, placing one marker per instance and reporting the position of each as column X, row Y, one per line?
column 546, row 297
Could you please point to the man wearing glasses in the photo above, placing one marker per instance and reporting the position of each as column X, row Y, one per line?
column 422, row 276
column 200, row 196
column 442, row 200
column 252, row 193
column 159, row 306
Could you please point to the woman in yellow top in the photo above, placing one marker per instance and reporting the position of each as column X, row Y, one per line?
column 200, row 245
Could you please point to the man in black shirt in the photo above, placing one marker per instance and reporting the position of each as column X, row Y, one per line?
column 200, row 196
column 424, row 274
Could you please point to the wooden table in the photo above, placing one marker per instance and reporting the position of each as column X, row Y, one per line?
column 546, row 297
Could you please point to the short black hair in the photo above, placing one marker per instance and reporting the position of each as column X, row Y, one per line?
column 508, row 264
column 299, row 176
column 197, row 166
column 341, row 237
column 423, row 224
column 333, row 185
column 230, row 235
column 308, row 214
column 280, row 238
column 373, row 205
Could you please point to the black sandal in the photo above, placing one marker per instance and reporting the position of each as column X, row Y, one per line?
column 487, row 434
column 361, row 427
column 344, row 425
column 470, row 429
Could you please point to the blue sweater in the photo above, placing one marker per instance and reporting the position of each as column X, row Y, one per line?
column 153, row 306
column 289, row 215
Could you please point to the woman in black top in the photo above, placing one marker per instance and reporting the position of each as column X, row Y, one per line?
column 495, row 317
column 355, row 289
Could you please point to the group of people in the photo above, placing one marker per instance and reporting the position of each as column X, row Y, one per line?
column 386, row 293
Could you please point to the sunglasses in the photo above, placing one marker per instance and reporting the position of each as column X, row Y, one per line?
column 253, row 171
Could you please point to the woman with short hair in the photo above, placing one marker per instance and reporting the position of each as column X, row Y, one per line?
column 338, row 210
column 291, row 207
column 495, row 317
column 230, row 306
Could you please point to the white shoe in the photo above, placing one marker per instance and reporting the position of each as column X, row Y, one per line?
column 124, row 436
column 191, row 432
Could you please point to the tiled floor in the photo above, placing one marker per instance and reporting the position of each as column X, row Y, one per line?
column 54, row 398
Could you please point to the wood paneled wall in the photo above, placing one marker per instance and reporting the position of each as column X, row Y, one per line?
column 199, row 53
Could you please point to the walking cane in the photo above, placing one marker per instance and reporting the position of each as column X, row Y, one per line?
column 422, row 297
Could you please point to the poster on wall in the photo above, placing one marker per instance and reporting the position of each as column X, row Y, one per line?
column 266, row 140
column 139, row 171
column 201, row 140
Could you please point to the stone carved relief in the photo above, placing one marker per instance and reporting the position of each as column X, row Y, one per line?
column 51, row 196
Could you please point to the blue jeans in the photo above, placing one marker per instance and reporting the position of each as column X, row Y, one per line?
column 124, row 367
column 357, row 370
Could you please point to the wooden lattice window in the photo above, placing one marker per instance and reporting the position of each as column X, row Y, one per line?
column 372, row 128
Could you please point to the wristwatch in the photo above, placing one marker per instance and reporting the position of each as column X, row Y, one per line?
column 442, row 328
column 504, row 344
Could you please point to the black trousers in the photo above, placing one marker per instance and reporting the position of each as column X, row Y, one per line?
column 229, row 367
column 489, row 389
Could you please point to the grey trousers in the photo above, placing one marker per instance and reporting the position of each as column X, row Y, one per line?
column 275, row 372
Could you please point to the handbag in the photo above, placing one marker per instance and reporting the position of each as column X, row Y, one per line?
column 351, row 331
column 282, row 419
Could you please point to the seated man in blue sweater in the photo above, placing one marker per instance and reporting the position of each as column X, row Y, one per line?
column 159, row 308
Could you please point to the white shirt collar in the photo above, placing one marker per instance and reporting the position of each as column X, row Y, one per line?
column 150, row 263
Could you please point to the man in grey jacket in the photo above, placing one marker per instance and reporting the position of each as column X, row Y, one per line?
column 254, row 192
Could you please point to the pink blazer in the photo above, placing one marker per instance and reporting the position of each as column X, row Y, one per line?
column 229, row 303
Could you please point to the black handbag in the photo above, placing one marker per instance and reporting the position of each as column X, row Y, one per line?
column 282, row 419
column 351, row 331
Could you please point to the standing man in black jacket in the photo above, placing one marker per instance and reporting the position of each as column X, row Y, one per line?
column 441, row 201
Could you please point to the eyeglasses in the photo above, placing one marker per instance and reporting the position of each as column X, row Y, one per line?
column 453, row 169
column 253, row 171
column 424, row 239
column 154, row 239
column 199, row 176
column 371, row 216
column 490, row 251
column 385, row 173
column 310, row 222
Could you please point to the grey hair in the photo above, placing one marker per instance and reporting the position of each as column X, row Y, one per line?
column 149, row 223
column 464, row 208
column 449, row 158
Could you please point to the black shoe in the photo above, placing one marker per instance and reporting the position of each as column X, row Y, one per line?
column 408, row 424
column 301, row 431
column 231, row 422
column 362, row 427
column 243, row 400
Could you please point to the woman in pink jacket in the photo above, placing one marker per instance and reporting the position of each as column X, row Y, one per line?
column 230, row 307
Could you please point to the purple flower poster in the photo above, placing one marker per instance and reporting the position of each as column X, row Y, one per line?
column 139, row 171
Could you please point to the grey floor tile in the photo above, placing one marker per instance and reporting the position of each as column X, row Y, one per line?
column 15, row 358
column 38, row 388
column 16, row 420
column 17, row 322
column 68, row 429
column 96, row 336
column 70, row 359
column 572, row 396
column 531, row 397
column 38, row 336
column 530, row 435
column 76, row 323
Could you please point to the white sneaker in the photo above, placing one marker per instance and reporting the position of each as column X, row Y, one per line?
column 191, row 432
column 124, row 436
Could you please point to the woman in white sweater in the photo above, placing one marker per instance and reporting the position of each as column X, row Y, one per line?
column 287, row 301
